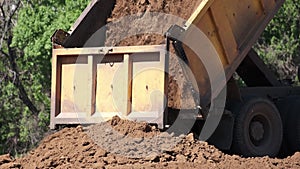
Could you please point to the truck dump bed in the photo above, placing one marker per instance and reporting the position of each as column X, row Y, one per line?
column 232, row 26
column 91, row 20
column 82, row 89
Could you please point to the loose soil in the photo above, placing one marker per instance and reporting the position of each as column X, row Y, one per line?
column 84, row 147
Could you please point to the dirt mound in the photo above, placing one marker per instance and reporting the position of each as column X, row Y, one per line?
column 131, row 128
column 78, row 148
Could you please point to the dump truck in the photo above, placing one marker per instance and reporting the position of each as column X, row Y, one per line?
column 258, row 119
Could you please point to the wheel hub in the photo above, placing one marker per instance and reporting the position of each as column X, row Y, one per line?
column 257, row 130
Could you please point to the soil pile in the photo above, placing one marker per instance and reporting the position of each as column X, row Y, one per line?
column 78, row 148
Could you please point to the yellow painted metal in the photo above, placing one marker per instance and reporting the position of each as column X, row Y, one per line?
column 232, row 26
column 90, row 85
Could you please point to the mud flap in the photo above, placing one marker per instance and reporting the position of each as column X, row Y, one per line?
column 222, row 137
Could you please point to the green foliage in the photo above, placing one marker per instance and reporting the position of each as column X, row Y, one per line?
column 32, row 34
column 36, row 23
column 279, row 45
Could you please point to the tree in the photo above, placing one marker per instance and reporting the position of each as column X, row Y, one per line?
column 279, row 45
column 26, row 67
column 11, row 84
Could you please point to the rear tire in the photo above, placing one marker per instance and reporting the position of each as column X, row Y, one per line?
column 258, row 129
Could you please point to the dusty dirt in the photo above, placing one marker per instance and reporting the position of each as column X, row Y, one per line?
column 146, row 27
column 78, row 148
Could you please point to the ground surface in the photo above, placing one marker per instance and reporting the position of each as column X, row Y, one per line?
column 126, row 144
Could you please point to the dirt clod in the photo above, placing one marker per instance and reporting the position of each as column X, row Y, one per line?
column 5, row 159
column 190, row 137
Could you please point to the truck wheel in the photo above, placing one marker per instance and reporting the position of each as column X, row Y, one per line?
column 258, row 129
column 293, row 126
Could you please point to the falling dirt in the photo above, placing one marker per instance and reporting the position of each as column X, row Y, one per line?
column 78, row 148
column 144, row 22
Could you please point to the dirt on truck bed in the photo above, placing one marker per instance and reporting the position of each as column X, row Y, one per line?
column 84, row 147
